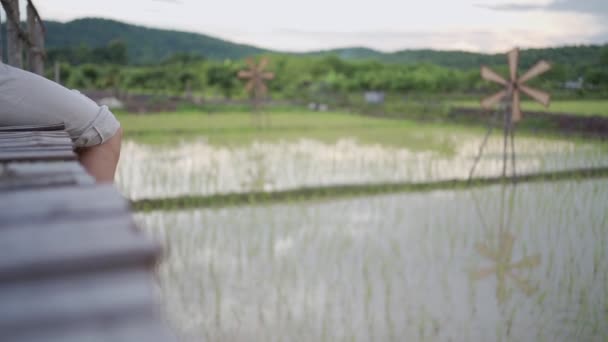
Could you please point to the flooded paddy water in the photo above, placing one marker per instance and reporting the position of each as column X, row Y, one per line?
column 494, row 263
column 524, row 263
column 200, row 168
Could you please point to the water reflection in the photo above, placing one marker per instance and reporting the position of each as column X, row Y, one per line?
column 504, row 267
column 498, row 249
column 393, row 268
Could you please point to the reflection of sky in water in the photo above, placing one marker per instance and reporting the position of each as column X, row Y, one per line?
column 390, row 268
column 199, row 168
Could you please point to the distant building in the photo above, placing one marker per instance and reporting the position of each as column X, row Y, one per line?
column 112, row 102
column 374, row 97
column 320, row 107
column 575, row 85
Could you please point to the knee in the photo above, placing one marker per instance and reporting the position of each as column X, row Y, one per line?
column 115, row 142
column 101, row 160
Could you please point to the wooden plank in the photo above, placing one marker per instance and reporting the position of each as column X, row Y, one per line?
column 81, row 296
column 43, row 174
column 148, row 327
column 51, row 134
column 39, row 149
column 35, row 142
column 38, row 168
column 49, row 205
column 12, row 156
column 39, row 182
column 15, row 135
column 40, row 128
column 42, row 250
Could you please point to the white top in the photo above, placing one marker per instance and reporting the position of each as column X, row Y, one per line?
column 29, row 99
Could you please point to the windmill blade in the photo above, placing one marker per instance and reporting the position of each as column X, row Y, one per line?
column 492, row 100
column 263, row 63
column 251, row 62
column 489, row 75
column 249, row 86
column 483, row 273
column 485, row 252
column 513, row 57
column 516, row 107
column 245, row 74
column 267, row 75
column 538, row 68
column 536, row 94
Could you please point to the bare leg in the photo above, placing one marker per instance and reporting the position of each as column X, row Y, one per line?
column 101, row 160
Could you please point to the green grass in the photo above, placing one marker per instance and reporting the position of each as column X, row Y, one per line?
column 580, row 107
column 239, row 129
column 353, row 190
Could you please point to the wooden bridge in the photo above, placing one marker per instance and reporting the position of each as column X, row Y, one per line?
column 73, row 266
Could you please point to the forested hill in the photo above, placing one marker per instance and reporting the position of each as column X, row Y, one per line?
column 144, row 45
column 147, row 46
column 568, row 55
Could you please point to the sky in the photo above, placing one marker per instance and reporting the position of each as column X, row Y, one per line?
column 386, row 25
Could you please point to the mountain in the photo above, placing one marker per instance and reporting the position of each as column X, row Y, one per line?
column 144, row 45
column 567, row 55
column 148, row 45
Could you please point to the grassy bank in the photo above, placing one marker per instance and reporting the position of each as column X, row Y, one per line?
column 581, row 107
column 242, row 128
column 355, row 190
column 239, row 128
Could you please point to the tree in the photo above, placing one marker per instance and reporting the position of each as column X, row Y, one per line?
column 183, row 58
column 223, row 76
column 604, row 56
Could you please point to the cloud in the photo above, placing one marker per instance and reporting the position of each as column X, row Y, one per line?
column 495, row 40
column 594, row 7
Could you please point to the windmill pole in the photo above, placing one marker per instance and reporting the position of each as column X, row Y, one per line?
column 484, row 143
column 509, row 134
column 255, row 105
column 514, row 172
column 507, row 120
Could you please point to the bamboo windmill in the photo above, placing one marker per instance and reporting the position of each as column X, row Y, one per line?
column 256, row 76
column 509, row 100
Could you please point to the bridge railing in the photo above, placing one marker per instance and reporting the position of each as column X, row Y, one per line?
column 20, row 41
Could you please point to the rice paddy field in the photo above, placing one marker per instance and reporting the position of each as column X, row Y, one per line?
column 504, row 261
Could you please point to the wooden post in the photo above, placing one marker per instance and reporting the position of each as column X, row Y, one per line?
column 35, row 52
column 1, row 45
column 14, row 44
column 31, row 28
column 57, row 72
